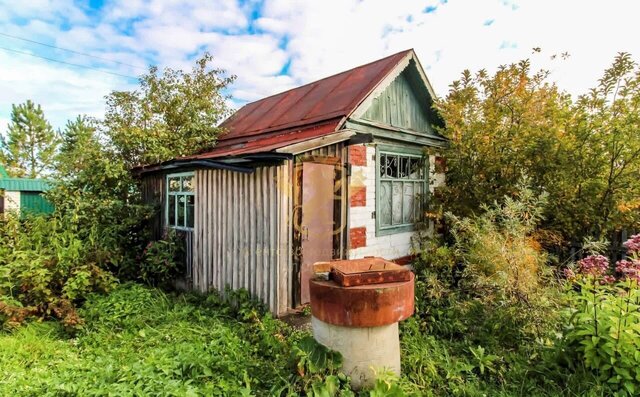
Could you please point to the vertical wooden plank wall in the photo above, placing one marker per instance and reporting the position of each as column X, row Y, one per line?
column 152, row 189
column 242, row 233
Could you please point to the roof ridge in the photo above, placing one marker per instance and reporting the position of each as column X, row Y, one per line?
column 328, row 77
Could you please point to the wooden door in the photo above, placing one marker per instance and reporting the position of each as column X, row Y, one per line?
column 317, row 223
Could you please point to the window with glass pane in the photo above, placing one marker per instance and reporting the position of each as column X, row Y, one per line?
column 180, row 201
column 401, row 182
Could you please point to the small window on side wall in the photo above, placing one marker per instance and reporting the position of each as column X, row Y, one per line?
column 180, row 203
column 401, row 189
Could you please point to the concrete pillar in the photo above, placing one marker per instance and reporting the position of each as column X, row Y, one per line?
column 365, row 350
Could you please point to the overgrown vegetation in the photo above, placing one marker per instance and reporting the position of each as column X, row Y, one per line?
column 141, row 341
column 604, row 330
column 496, row 313
column 189, row 345
column 584, row 154
column 98, row 233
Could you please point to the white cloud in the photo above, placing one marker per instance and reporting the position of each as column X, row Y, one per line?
column 329, row 36
column 62, row 92
column 315, row 38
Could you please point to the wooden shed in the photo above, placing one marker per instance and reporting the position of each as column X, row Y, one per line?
column 334, row 169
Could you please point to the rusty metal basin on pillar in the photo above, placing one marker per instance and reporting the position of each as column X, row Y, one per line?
column 363, row 305
column 357, row 310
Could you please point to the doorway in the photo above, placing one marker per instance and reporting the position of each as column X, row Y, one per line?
column 317, row 220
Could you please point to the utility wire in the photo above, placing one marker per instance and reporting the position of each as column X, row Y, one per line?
column 67, row 63
column 71, row 51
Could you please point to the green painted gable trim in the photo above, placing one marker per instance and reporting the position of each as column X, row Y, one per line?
column 403, row 104
column 3, row 172
column 402, row 112
column 385, row 132
column 24, row 185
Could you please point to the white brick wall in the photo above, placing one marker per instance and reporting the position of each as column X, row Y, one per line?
column 391, row 246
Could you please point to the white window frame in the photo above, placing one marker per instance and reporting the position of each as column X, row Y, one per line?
column 178, row 194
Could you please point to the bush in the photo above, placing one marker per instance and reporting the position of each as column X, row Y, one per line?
column 47, row 265
column 159, row 261
column 605, row 332
column 604, row 327
column 491, row 283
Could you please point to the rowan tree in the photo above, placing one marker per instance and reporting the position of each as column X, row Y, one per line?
column 171, row 114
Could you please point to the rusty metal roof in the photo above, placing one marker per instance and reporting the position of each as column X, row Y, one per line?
column 310, row 111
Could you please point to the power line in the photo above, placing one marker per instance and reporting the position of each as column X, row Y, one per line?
column 71, row 51
column 67, row 63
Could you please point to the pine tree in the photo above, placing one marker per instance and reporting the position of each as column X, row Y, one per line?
column 29, row 148
column 79, row 145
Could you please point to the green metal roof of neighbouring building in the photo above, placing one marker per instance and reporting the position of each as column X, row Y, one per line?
column 3, row 172
column 24, row 185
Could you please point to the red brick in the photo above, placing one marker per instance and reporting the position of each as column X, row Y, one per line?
column 358, row 155
column 358, row 196
column 440, row 164
column 358, row 237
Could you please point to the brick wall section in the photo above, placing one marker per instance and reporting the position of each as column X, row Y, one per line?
column 358, row 196
column 357, row 237
column 358, row 155
column 392, row 246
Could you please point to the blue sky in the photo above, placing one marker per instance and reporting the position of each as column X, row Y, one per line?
column 273, row 45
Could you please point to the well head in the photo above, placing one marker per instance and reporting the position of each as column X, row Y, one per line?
column 366, row 292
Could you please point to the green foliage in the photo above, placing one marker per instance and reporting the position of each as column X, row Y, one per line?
column 171, row 114
column 160, row 260
column 29, row 147
column 492, row 277
column 97, row 194
column 501, row 126
column 487, row 316
column 386, row 385
column 140, row 341
column 606, row 152
column 317, row 367
column 47, row 265
column 585, row 155
column 79, row 149
column 605, row 332
column 501, row 259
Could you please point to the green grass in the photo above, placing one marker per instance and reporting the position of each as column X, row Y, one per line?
column 139, row 341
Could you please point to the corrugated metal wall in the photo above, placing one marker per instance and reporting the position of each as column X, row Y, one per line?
column 242, row 235
column 35, row 203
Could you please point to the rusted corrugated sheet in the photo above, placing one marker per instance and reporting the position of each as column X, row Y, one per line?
column 281, row 119
column 242, row 235
column 324, row 99
column 268, row 141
